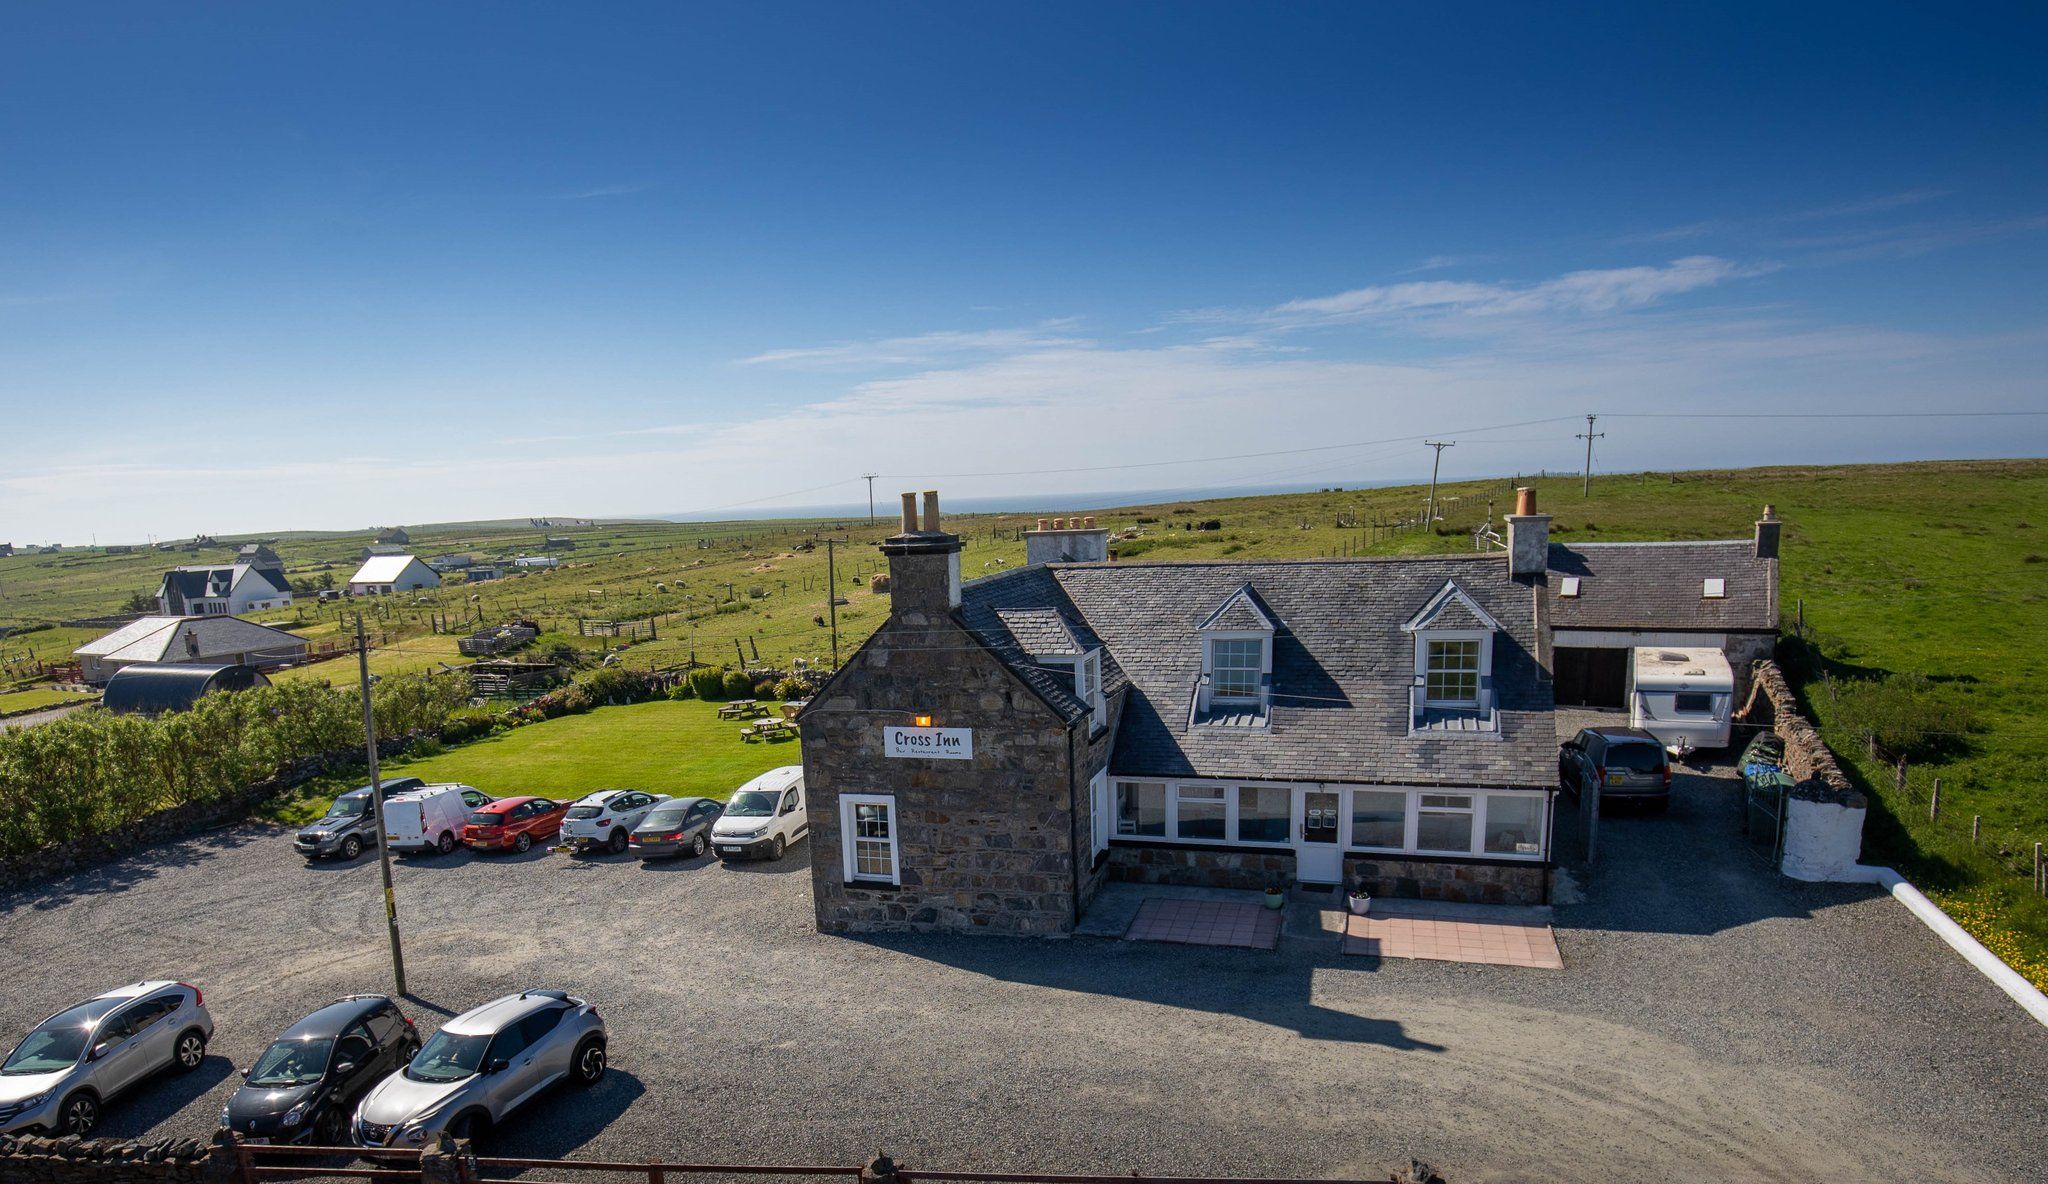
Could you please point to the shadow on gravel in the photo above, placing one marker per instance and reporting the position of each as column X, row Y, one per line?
column 132, row 1115
column 425, row 1004
column 1266, row 987
column 681, row 863
column 558, row 1122
column 135, row 868
column 793, row 861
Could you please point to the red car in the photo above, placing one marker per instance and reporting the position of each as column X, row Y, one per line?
column 513, row 824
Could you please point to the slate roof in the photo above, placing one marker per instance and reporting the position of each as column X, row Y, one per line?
column 1656, row 586
column 1029, row 596
column 1240, row 614
column 1342, row 666
column 1451, row 608
column 152, row 639
column 1040, row 631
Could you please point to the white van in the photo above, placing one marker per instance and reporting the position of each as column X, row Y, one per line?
column 430, row 819
column 764, row 816
column 1683, row 697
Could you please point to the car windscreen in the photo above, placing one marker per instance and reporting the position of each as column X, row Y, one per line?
column 59, row 1042
column 482, row 819
column 585, row 811
column 292, row 1062
column 348, row 806
column 448, row 1058
column 752, row 804
column 1638, row 756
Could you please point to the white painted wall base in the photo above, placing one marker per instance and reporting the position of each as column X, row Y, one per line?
column 1822, row 839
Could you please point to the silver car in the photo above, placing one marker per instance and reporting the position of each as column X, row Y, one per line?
column 482, row 1065
column 62, row 1073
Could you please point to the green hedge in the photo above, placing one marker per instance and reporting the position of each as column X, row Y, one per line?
column 93, row 770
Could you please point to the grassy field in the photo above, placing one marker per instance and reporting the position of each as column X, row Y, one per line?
column 37, row 699
column 1935, row 569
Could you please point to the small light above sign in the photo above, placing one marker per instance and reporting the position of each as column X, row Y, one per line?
column 922, row 721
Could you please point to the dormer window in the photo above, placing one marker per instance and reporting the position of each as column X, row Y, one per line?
column 1236, row 686
column 1453, row 688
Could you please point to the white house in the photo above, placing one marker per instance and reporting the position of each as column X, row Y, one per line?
column 211, row 590
column 214, row 639
column 381, row 575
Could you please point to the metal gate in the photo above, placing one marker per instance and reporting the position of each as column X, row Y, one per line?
column 1764, row 785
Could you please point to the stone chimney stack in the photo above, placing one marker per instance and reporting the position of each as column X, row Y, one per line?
column 1767, row 528
column 1528, row 536
column 924, row 564
column 1067, row 540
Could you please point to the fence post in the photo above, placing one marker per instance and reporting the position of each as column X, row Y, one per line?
column 1934, row 802
column 1899, row 776
column 2040, row 880
column 1976, row 825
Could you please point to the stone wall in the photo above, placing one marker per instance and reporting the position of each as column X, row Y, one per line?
column 26, row 1159
column 1466, row 883
column 983, row 844
column 1807, row 758
column 1147, row 863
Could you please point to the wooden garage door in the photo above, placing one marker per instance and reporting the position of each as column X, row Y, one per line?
column 1592, row 677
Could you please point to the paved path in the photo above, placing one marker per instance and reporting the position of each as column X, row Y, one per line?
column 33, row 718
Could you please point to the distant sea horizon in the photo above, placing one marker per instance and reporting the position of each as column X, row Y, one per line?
column 1061, row 505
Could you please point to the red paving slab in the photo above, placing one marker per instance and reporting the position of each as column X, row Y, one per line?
column 1493, row 943
column 1205, row 923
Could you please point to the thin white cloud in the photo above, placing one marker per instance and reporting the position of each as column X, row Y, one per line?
column 920, row 348
column 1591, row 291
column 1868, row 205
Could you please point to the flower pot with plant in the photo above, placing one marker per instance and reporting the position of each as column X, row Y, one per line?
column 1276, row 897
column 1359, row 900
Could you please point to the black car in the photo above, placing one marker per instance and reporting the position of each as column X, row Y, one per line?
column 346, row 829
column 679, row 826
column 1626, row 763
column 305, row 1086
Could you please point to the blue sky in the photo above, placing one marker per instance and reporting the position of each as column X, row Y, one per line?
column 270, row 267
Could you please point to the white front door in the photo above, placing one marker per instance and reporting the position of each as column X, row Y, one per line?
column 1318, row 859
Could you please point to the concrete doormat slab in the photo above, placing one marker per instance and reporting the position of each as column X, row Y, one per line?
column 1206, row 923
column 1496, row 943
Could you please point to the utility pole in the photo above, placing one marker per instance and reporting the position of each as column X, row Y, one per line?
column 1589, row 435
column 1433, row 466
column 377, row 807
column 832, row 596
column 871, row 496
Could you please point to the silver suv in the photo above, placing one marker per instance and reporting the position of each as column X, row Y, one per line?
column 76, row 1061
column 481, row 1066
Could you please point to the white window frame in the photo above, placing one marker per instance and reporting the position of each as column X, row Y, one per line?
column 1410, row 828
column 1228, row 800
column 847, row 804
column 1422, row 641
column 1471, row 812
column 1101, row 812
column 1265, row 667
column 1407, row 817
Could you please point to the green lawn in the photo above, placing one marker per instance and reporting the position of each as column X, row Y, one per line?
column 679, row 748
column 33, row 700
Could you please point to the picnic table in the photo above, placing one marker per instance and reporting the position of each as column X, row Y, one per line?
column 768, row 729
column 742, row 709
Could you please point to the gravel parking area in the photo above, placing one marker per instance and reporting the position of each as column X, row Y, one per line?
column 1712, row 1022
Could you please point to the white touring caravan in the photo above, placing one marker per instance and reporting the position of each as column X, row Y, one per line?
column 1683, row 697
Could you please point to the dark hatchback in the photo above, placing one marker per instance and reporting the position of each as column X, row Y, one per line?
column 305, row 1086
column 679, row 826
column 1627, row 764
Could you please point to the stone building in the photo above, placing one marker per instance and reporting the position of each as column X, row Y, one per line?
column 998, row 749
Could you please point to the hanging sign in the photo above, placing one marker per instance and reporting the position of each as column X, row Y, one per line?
column 939, row 744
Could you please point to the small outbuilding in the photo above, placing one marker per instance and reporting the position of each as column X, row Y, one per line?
column 175, row 686
column 214, row 640
column 382, row 575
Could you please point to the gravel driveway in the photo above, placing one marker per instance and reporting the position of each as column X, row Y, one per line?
column 1713, row 1022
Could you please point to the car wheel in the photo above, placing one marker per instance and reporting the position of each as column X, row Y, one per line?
column 408, row 1050
column 80, row 1115
column 351, row 847
column 330, row 1129
column 617, row 842
column 445, row 844
column 191, row 1050
column 523, row 843
column 699, row 845
column 775, row 848
column 473, row 1126
column 589, row 1063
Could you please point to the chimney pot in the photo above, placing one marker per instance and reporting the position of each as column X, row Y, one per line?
column 1089, row 522
column 909, row 513
column 1041, row 524
column 931, row 511
column 1525, row 499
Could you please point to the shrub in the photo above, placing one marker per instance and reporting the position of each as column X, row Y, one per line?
column 423, row 747
column 708, row 682
column 764, row 689
column 682, row 690
column 467, row 723
column 792, row 688
column 614, row 685
column 738, row 685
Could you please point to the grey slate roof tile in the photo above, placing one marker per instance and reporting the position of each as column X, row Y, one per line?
column 1656, row 586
